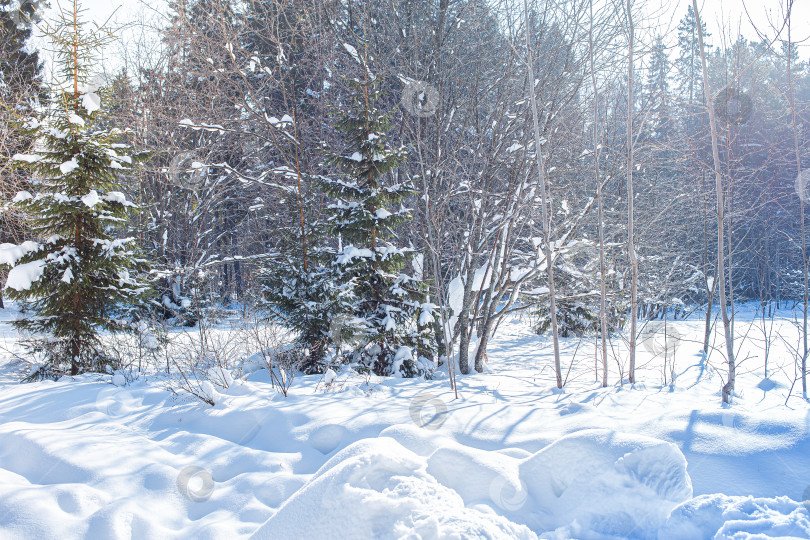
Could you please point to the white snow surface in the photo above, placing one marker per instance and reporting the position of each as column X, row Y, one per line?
column 91, row 102
column 118, row 197
column 345, row 456
column 28, row 158
column 74, row 118
column 22, row 196
column 69, row 166
column 22, row 276
column 349, row 253
column 11, row 253
column 91, row 199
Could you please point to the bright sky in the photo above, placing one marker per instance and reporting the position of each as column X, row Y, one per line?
column 723, row 17
column 726, row 19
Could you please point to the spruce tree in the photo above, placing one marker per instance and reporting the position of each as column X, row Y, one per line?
column 657, row 91
column 687, row 65
column 298, row 282
column 577, row 268
column 20, row 68
column 20, row 85
column 389, row 302
column 76, row 275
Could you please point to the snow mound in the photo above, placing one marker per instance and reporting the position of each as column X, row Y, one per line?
column 600, row 483
column 412, row 483
column 376, row 488
column 723, row 517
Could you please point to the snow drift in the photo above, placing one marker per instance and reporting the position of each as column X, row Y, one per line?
column 409, row 483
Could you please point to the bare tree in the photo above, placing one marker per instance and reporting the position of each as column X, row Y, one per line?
column 541, row 179
column 600, row 212
column 792, row 96
column 728, row 388
column 631, row 237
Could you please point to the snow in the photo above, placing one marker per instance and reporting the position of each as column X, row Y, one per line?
column 514, row 148
column 745, row 518
column 187, row 123
column 91, row 102
column 353, row 52
column 11, row 253
column 69, row 166
column 605, row 482
column 21, row 277
column 91, row 199
column 28, row 158
column 57, row 133
column 426, row 314
column 389, row 323
column 402, row 355
column 22, row 196
column 117, row 197
column 349, row 253
column 481, row 279
column 329, row 377
column 349, row 455
column 377, row 488
column 75, row 119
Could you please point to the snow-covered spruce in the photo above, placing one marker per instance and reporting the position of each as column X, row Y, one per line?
column 388, row 302
column 75, row 273
column 300, row 289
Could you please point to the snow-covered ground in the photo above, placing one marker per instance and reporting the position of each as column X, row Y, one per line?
column 391, row 458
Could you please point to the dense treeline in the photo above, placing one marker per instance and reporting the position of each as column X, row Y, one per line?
column 250, row 113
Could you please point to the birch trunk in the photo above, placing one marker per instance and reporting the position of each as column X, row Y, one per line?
column 728, row 388
column 541, row 178
column 802, row 192
column 631, row 238
column 602, row 285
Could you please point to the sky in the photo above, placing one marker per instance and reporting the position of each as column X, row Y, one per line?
column 725, row 19
column 733, row 17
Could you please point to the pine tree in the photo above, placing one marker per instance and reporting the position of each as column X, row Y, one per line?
column 77, row 275
column 390, row 303
column 658, row 92
column 19, row 67
column 299, row 284
column 577, row 314
column 20, row 85
column 687, row 65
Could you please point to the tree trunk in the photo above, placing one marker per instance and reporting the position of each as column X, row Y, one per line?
column 802, row 192
column 463, row 323
column 541, row 178
column 631, row 239
column 728, row 388
column 708, row 326
column 600, row 215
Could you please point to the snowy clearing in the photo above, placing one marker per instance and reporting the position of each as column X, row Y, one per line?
column 393, row 458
